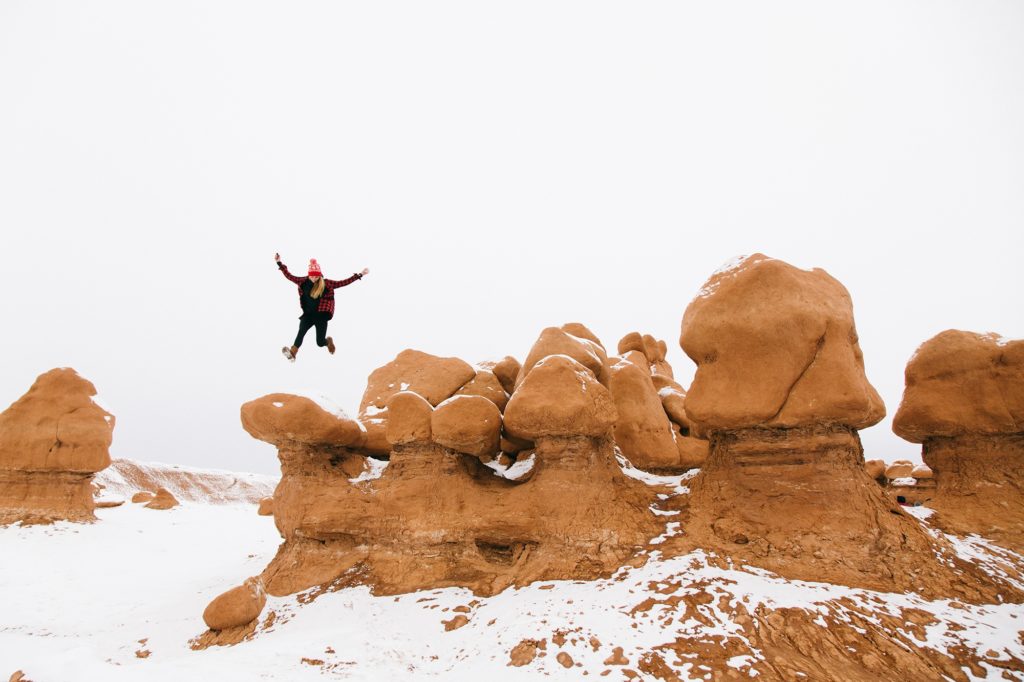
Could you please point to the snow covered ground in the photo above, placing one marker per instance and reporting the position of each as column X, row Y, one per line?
column 88, row 601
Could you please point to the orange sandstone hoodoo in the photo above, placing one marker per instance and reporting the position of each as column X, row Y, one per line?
column 964, row 402
column 52, row 441
column 780, row 390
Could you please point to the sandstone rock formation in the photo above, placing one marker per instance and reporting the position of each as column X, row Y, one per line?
column 433, row 516
column 780, row 389
column 964, row 402
column 162, row 500
column 901, row 468
column 52, row 441
column 434, row 378
column 266, row 507
column 237, row 607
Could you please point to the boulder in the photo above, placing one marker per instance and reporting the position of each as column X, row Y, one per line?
column 960, row 383
column 52, row 441
column 142, row 496
column 237, row 607
column 162, row 500
column 554, row 341
column 434, row 378
column 642, row 431
column 922, row 472
column 281, row 418
column 775, row 346
column 580, row 331
column 469, row 424
column 673, row 401
column 559, row 397
column 631, row 341
column 486, row 385
column 692, row 452
column 901, row 468
column 266, row 507
column 506, row 371
column 409, row 417
column 875, row 468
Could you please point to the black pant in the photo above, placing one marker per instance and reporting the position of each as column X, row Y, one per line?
column 318, row 321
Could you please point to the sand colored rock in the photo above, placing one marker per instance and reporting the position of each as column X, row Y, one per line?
column 266, row 507
column 512, row 445
column 629, row 342
column 409, row 418
column 559, row 397
column 237, row 607
column 280, row 417
column 486, row 385
column 434, row 517
column 673, row 401
column 162, row 500
column 554, row 341
column 776, row 347
column 901, row 468
column 142, row 496
column 922, row 472
column 642, row 432
column 469, row 424
column 875, row 468
column 581, row 331
column 962, row 383
column 434, row 378
column 52, row 441
column 692, row 452
column 506, row 371
column 780, row 391
column 964, row 402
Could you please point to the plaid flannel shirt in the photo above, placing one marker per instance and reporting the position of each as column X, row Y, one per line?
column 326, row 304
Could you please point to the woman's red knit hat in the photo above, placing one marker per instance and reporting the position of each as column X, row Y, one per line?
column 314, row 268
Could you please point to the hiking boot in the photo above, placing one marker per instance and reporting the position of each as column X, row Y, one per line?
column 290, row 353
column 330, row 345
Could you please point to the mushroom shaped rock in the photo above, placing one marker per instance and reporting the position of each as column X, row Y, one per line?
column 560, row 397
column 875, row 468
column 409, row 418
column 486, row 385
column 780, row 392
column 52, row 441
column 469, row 424
column 282, row 418
column 506, row 371
column 433, row 377
column 554, row 341
column 964, row 402
column 642, row 431
column 162, row 500
column 237, row 607
column 960, row 383
column 775, row 346
column 901, row 468
column 922, row 472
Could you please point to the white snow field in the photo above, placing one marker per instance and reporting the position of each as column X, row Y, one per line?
column 78, row 601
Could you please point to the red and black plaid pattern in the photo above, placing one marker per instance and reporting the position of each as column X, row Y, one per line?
column 326, row 303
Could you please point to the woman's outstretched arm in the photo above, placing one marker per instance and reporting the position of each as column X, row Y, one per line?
column 284, row 270
column 335, row 283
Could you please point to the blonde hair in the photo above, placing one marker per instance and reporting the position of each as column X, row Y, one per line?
column 318, row 288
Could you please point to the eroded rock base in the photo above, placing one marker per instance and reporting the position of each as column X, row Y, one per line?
column 800, row 503
column 35, row 497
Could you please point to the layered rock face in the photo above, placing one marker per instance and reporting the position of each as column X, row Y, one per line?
column 964, row 402
column 780, row 390
column 434, row 514
column 52, row 441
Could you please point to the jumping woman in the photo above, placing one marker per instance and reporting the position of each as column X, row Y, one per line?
column 316, row 296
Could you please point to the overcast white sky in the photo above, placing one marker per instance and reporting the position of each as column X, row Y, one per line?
column 500, row 167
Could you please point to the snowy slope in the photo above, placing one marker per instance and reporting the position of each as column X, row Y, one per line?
column 77, row 602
